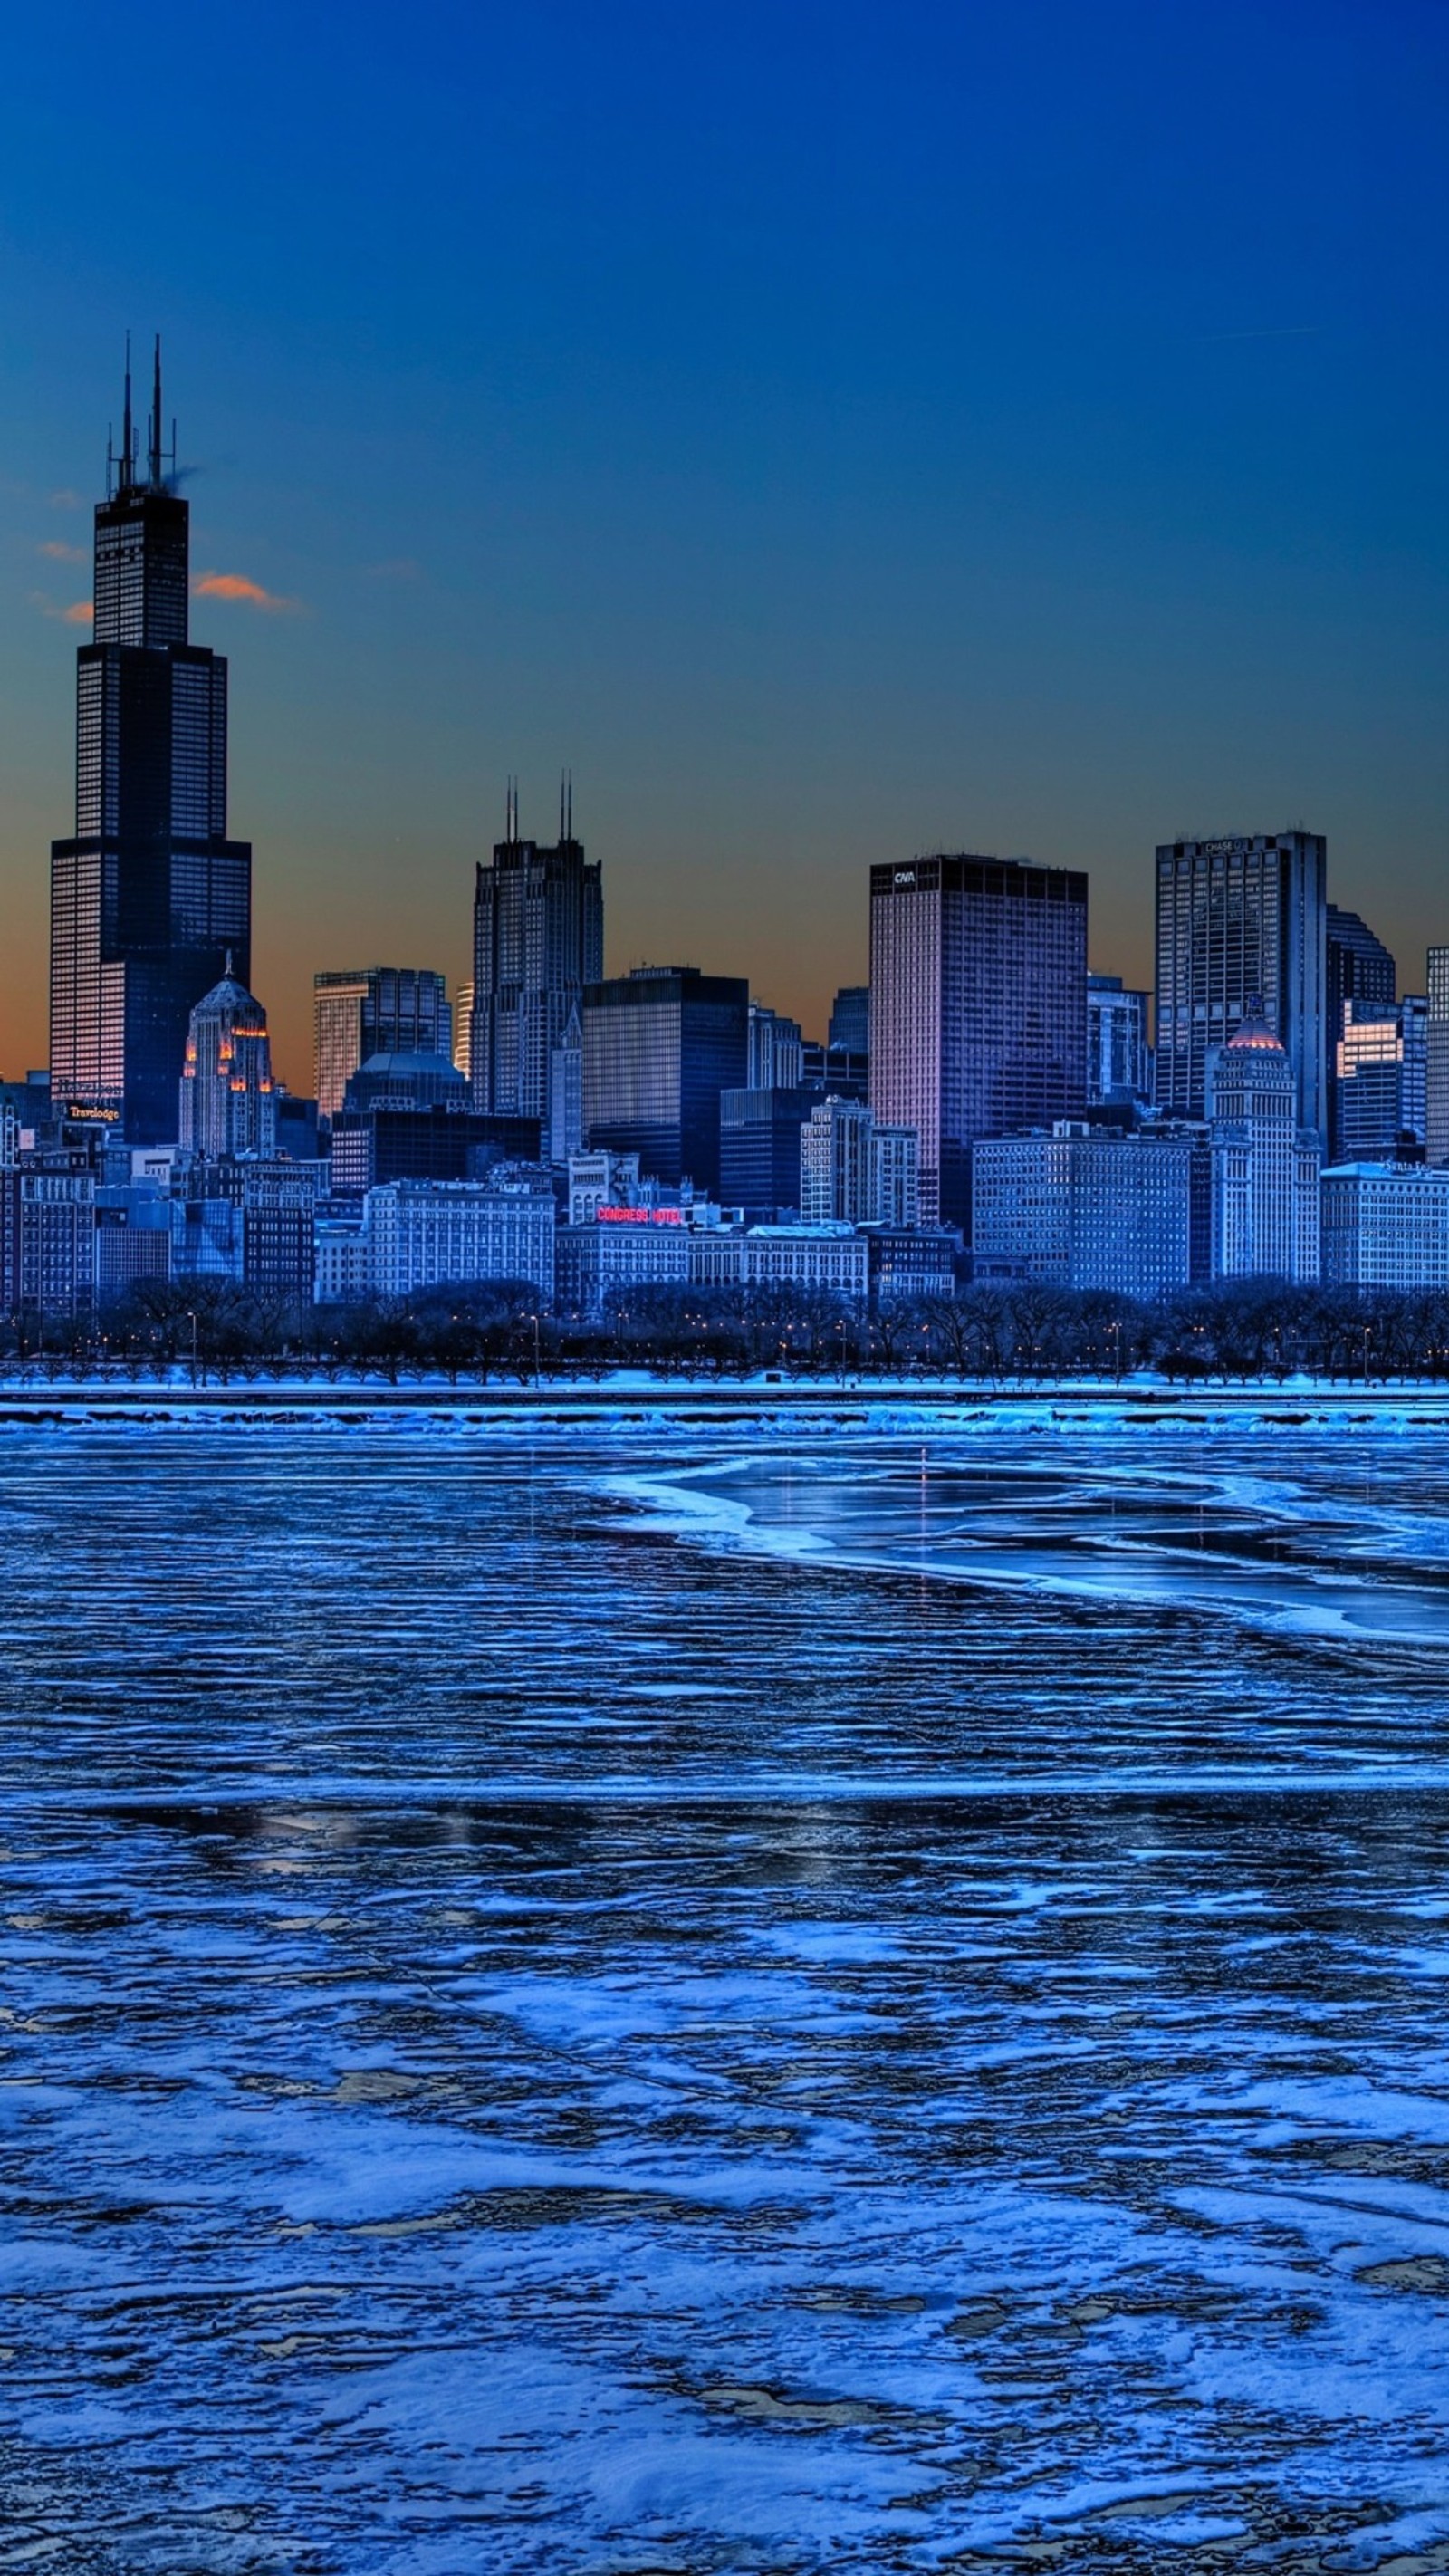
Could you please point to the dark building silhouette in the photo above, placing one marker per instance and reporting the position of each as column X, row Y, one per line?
column 149, row 895
column 433, row 1142
column 759, row 1148
column 538, row 939
column 660, row 1048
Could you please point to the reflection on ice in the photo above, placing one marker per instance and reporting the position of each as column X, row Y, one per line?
column 663, row 2001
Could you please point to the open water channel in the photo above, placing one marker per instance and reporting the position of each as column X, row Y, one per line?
column 656, row 1997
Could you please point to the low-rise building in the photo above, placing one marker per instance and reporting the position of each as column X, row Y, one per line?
column 433, row 1234
column 1386, row 1225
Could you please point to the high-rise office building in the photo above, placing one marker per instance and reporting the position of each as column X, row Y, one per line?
column 854, row 1171
column 850, row 1020
column 978, row 997
column 836, row 1174
column 1380, row 1078
column 1359, row 975
column 777, row 1050
column 1264, row 1166
column 565, row 1129
column 538, row 939
column 463, row 1032
column 364, row 1011
column 1118, row 1057
column 1238, row 919
column 1436, row 1060
column 660, row 1047
column 228, row 1100
column 759, row 1149
column 149, row 895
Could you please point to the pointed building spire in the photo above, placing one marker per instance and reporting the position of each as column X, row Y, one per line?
column 127, row 433
column 154, row 459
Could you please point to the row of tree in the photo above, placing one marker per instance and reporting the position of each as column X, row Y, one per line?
column 1260, row 1329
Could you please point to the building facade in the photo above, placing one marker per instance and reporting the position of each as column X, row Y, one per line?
column 1242, row 920
column 1380, row 1077
column 459, row 1234
column 660, row 1048
column 978, row 997
column 149, row 894
column 538, row 939
column 776, row 1051
column 1119, row 1059
column 1264, row 1168
column 849, row 1028
column 1386, row 1225
column 228, row 1102
column 375, row 1010
column 759, row 1150
column 1436, row 1060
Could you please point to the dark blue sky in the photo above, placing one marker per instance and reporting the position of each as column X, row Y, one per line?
column 836, row 431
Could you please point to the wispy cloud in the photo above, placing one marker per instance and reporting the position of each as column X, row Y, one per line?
column 59, row 553
column 396, row 568
column 248, row 594
column 79, row 613
column 65, row 500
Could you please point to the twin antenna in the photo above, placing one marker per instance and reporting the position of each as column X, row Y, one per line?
column 122, row 474
column 565, row 809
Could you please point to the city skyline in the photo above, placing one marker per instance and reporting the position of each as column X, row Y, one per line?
column 821, row 493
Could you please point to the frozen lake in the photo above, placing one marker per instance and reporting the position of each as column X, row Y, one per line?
column 684, row 1999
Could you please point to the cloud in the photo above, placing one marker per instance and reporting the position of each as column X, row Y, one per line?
column 65, row 501
column 397, row 568
column 59, row 553
column 250, row 594
column 79, row 613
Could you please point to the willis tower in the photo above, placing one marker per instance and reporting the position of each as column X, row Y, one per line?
column 150, row 895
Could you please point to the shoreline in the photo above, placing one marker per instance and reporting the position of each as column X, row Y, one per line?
column 636, row 1393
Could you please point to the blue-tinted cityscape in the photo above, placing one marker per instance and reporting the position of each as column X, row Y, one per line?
column 659, row 1155
column 724, row 1291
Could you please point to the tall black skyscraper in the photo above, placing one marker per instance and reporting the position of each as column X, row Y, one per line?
column 538, row 939
column 150, row 895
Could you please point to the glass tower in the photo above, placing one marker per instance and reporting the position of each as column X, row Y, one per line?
column 149, row 895
column 374, row 1010
column 1240, row 920
column 660, row 1048
column 978, row 1008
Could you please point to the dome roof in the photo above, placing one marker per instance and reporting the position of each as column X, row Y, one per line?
column 410, row 1061
column 1255, row 1032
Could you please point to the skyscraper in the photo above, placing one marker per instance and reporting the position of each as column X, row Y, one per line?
column 375, row 1010
column 850, row 1020
column 1118, row 1056
column 149, row 895
column 660, row 1047
column 978, row 1003
column 538, row 939
column 228, row 1101
column 1436, row 1070
column 1237, row 919
column 1263, row 1166
column 1361, row 981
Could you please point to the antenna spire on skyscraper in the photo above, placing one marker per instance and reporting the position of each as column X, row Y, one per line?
column 154, row 459
column 127, row 434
